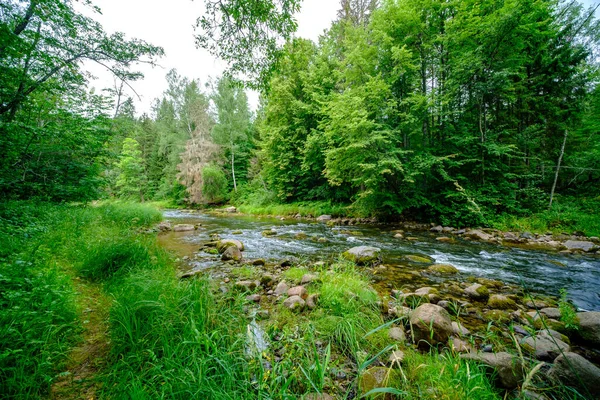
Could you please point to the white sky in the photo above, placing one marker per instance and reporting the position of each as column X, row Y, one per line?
column 169, row 24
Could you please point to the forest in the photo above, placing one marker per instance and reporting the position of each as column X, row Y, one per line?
column 459, row 113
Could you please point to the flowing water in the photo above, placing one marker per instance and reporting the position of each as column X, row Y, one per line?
column 536, row 271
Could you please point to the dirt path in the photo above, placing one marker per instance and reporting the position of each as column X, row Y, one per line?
column 90, row 355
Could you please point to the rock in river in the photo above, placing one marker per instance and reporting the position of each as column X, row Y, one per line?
column 580, row 245
column 431, row 324
column 222, row 245
column 232, row 253
column 442, row 269
column 183, row 228
column 363, row 255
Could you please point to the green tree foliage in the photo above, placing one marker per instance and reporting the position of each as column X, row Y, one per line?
column 247, row 35
column 214, row 184
column 453, row 111
column 232, row 127
column 52, row 131
column 132, row 177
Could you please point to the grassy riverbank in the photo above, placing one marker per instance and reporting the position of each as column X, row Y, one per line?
column 91, row 306
column 566, row 216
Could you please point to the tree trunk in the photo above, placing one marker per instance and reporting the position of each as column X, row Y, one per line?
column 233, row 172
column 562, row 152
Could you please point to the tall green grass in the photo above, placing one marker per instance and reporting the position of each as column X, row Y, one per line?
column 41, row 247
column 305, row 209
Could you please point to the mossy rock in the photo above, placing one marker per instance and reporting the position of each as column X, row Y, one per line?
column 500, row 302
column 363, row 255
column 419, row 259
column 496, row 316
column 222, row 245
column 211, row 251
column 268, row 233
column 442, row 269
column 378, row 377
column 300, row 236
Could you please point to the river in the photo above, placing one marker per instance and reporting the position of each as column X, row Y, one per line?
column 535, row 271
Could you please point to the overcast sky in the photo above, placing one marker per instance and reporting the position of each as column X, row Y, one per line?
column 170, row 25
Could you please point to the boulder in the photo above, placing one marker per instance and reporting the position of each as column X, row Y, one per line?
column 298, row 291
column 222, row 245
column 268, row 233
column 419, row 259
column 294, row 303
column 431, row 324
column 442, row 269
column 571, row 369
column 281, row 288
column 377, row 377
column 459, row 330
column 397, row 334
column 580, row 245
column 164, row 226
column 501, row 302
column 544, row 348
column 363, row 255
column 254, row 298
column 311, row 301
column 308, row 278
column 232, row 253
column 460, row 346
column 396, row 357
column 509, row 368
column 437, row 229
column 300, row 236
column 245, row 285
column 183, row 228
column 551, row 312
column 230, row 210
column 478, row 235
column 324, row 218
column 258, row 262
column 589, row 326
column 477, row 292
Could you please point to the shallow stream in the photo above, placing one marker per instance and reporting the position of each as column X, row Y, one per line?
column 536, row 271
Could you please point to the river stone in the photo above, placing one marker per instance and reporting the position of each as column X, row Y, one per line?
column 459, row 330
column 426, row 291
column 254, row 298
column 400, row 311
column 551, row 333
column 396, row 357
column 268, row 232
column 281, row 288
column 311, row 301
column 501, row 302
column 431, row 324
column 294, row 303
column 308, row 278
column 298, row 291
column 399, row 236
column 543, row 348
column 362, row 255
column 300, row 236
column 397, row 334
column 444, row 239
column 551, row 312
column 589, row 326
column 183, row 228
column 437, row 229
column 232, row 253
column 509, row 368
column 442, row 269
column 323, row 218
column 496, row 316
column 580, row 245
column 478, row 235
column 245, row 285
column 573, row 370
column 477, row 292
column 258, row 262
column 419, row 259
column 222, row 245
column 377, row 377
column 164, row 226
column 460, row 346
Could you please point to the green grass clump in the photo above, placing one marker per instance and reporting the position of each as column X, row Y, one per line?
column 346, row 291
column 175, row 340
column 305, row 209
column 444, row 376
column 295, row 274
column 108, row 256
column 567, row 215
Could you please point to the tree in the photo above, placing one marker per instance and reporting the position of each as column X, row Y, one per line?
column 132, row 177
column 43, row 42
column 232, row 123
column 247, row 34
